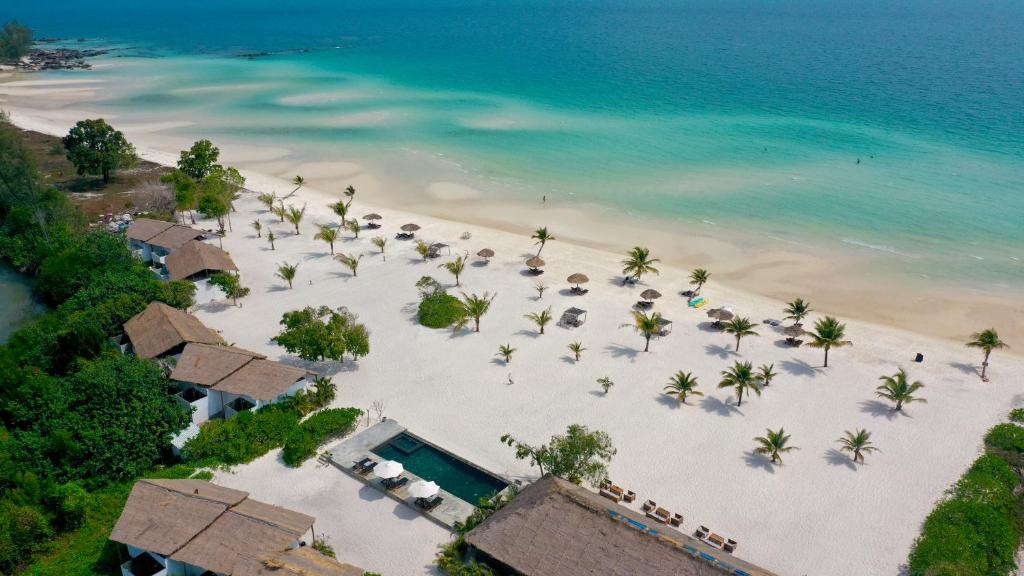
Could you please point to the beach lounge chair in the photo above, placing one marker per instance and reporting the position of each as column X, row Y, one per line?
column 702, row 532
column 361, row 464
column 659, row 514
column 676, row 520
column 429, row 504
column 404, row 236
column 649, row 505
column 715, row 540
column 730, row 545
column 629, row 496
column 367, row 468
column 612, row 492
column 392, row 483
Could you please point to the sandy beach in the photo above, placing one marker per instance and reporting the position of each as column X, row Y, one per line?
column 816, row 514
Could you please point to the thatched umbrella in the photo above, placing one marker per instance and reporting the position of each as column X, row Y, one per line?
column 577, row 279
column 793, row 332
column 535, row 263
column 650, row 294
column 720, row 315
column 372, row 217
column 410, row 227
column 486, row 254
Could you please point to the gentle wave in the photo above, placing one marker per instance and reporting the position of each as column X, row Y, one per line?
column 876, row 247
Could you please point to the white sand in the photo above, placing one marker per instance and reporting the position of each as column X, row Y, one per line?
column 817, row 514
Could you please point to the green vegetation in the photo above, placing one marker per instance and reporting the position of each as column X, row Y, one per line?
column 637, row 263
column 986, row 341
column 302, row 441
column 15, row 41
column 774, row 444
column 742, row 379
column 898, row 389
column 96, row 149
column 648, row 325
column 797, row 310
column 231, row 284
column 322, row 333
column 976, row 529
column 437, row 308
column 505, row 351
column 452, row 557
column 740, row 327
column 580, row 454
column 541, row 319
column 681, row 385
column 542, row 237
column 828, row 334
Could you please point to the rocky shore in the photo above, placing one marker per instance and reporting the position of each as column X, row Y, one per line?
column 57, row 59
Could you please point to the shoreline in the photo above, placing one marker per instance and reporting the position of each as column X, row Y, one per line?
column 772, row 268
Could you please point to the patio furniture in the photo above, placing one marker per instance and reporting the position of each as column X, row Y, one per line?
column 404, row 236
column 366, row 469
column 649, row 505
column 612, row 492
column 534, row 265
column 730, row 545
column 629, row 496
column 676, row 520
column 573, row 318
column 665, row 326
column 659, row 514
column 392, row 483
column 771, row 322
column 702, row 532
column 643, row 304
column 428, row 504
column 715, row 540
column 919, row 358
column 361, row 463
column 576, row 290
column 436, row 248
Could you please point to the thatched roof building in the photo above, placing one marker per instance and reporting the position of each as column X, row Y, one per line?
column 195, row 257
column 555, row 528
column 167, row 235
column 206, row 365
column 261, row 380
column 161, row 329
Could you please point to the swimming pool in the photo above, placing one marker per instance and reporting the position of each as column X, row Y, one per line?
column 451, row 474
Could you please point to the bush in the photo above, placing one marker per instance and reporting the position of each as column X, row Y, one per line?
column 244, row 438
column 1007, row 438
column 1017, row 415
column 303, row 441
column 964, row 538
column 440, row 310
column 72, row 502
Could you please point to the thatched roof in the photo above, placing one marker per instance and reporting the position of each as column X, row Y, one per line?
column 410, row 227
column 577, row 278
column 206, row 365
column 650, row 294
column 145, row 228
column 175, row 237
column 220, row 530
column 372, row 216
column 261, row 379
column 160, row 329
column 486, row 253
column 535, row 262
column 195, row 257
column 555, row 528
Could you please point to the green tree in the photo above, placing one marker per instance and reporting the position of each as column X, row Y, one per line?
column 829, row 333
column 540, row 287
column 542, row 237
column 231, row 284
column 97, row 149
column 350, row 194
column 351, row 262
column 279, row 211
column 198, row 161
column 774, row 444
column 506, row 351
column 638, row 263
column 357, row 340
column 476, row 306
column 423, row 249
column 766, row 373
column 681, row 385
column 699, row 278
column 740, row 377
column 897, row 388
column 605, row 383
column 299, row 182
column 185, row 194
column 63, row 274
column 987, row 341
column 381, row 242
column 797, row 310
column 267, row 199
column 579, row 454
column 15, row 41
column 541, row 318
column 294, row 216
column 857, row 443
column 341, row 209
column 577, row 349
column 320, row 333
column 286, row 272
column 327, row 234
column 258, row 227
column 271, row 238
column 353, row 227
column 648, row 325
column 740, row 327
column 455, row 267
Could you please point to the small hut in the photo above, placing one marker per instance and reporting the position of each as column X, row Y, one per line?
column 535, row 264
column 486, row 254
column 578, row 279
column 573, row 318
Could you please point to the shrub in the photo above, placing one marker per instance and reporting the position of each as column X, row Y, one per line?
column 1008, row 438
column 244, row 438
column 964, row 538
column 72, row 502
column 1017, row 415
column 303, row 441
column 440, row 310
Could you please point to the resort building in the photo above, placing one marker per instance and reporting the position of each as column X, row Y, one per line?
column 195, row 528
column 161, row 331
column 196, row 261
column 555, row 528
column 153, row 240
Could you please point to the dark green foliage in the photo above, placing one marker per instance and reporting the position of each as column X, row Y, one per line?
column 1006, row 438
column 322, row 333
column 440, row 310
column 231, row 284
column 95, row 148
column 71, row 503
column 245, row 437
column 15, row 41
column 24, row 530
column 579, row 454
column 324, row 548
column 303, row 441
column 74, row 268
column 1017, row 415
column 198, row 161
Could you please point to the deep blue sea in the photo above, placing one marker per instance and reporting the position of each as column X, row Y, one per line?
column 888, row 127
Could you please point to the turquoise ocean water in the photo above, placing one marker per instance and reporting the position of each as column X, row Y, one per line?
column 746, row 114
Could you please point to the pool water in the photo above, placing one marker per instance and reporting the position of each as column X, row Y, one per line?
column 452, row 475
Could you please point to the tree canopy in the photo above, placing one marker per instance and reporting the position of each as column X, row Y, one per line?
column 322, row 333
column 15, row 41
column 95, row 148
column 579, row 454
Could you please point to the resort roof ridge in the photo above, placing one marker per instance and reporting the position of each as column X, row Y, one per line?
column 160, row 328
column 194, row 257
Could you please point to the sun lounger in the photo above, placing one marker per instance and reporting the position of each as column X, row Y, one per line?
column 609, row 494
column 772, row 322
column 659, row 514
column 429, row 504
column 715, row 540
column 649, row 505
column 367, row 468
column 392, row 484
column 404, row 236
column 629, row 496
column 730, row 546
column 702, row 532
column 361, row 464
column 578, row 291
column 676, row 520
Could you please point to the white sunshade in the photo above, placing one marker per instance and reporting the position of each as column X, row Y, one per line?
column 423, row 489
column 389, row 469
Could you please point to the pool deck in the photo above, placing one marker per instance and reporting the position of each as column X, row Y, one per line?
column 359, row 446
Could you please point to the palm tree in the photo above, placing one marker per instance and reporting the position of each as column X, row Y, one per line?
column 351, row 262
column 258, row 227
column 828, row 333
column 455, row 268
column 606, row 384
column 542, row 237
column 353, row 227
column 540, row 287
column 577, row 349
column 423, row 249
column 267, row 199
column 540, row 318
column 287, row 272
column 740, row 327
column 898, row 389
column 681, row 385
column 858, row 443
column 341, row 209
column 298, row 181
column 327, row 234
column 797, row 310
column 350, row 193
column 271, row 238
column 766, row 373
column 294, row 216
column 638, row 263
column 647, row 325
column 506, row 351
column 476, row 306
column 381, row 242
column 741, row 379
column 987, row 340
column 279, row 210
column 774, row 444
column 699, row 277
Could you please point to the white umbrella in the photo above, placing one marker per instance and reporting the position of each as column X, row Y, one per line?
column 389, row 469
column 423, row 489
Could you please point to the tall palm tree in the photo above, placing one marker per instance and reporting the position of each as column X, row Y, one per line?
column 829, row 333
column 577, row 349
column 353, row 227
column 298, row 181
column 271, row 238
column 638, row 263
column 455, row 267
column 267, row 199
column 648, row 325
column 350, row 193
column 774, row 443
column 351, row 262
column 797, row 310
column 681, row 385
column 287, row 272
column 741, row 379
column 766, row 373
column 294, row 216
column 423, row 249
column 381, row 242
column 858, row 443
column 506, row 351
column 987, row 340
column 898, row 389
column 327, row 234
column 258, row 227
column 740, row 327
column 279, row 210
column 542, row 237
column 476, row 306
column 341, row 210
column 541, row 318
column 699, row 277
